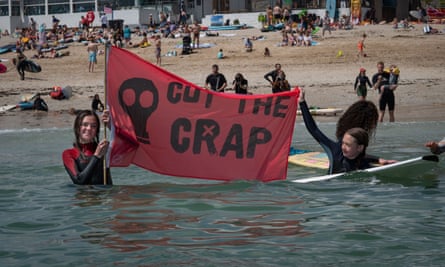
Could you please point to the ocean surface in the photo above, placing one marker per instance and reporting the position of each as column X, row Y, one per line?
column 147, row 219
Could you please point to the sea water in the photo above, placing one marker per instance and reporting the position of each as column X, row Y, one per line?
column 147, row 219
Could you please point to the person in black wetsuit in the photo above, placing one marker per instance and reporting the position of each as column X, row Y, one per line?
column 362, row 114
column 40, row 104
column 240, row 84
column 84, row 162
column 379, row 81
column 96, row 104
column 272, row 77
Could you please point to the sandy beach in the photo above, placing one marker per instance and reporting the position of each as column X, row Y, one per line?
column 327, row 78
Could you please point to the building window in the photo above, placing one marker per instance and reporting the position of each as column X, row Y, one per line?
column 58, row 8
column 4, row 8
column 83, row 6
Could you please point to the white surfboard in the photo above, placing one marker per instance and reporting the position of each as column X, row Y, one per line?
column 7, row 107
column 410, row 167
column 323, row 111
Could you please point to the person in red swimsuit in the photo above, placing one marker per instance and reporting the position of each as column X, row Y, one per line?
column 84, row 162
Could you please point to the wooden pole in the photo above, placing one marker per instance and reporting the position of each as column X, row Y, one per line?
column 107, row 50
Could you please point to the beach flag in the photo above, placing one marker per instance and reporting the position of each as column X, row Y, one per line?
column 165, row 124
column 108, row 10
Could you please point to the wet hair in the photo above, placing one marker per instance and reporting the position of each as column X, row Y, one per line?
column 361, row 137
column 363, row 114
column 78, row 122
column 214, row 66
column 239, row 76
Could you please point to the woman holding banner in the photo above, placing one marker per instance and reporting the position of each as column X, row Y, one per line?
column 84, row 162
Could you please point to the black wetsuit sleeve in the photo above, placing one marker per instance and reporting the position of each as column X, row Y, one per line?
column 369, row 83
column 372, row 159
column 90, row 172
column 80, row 177
column 356, row 82
column 328, row 145
column 269, row 74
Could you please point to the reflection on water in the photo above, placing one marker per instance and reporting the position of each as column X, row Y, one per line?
column 199, row 216
column 153, row 220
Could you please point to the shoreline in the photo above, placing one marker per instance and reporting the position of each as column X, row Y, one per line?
column 327, row 79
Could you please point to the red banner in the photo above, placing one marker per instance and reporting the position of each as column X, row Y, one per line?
column 168, row 125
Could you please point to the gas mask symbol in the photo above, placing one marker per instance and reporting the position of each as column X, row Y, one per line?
column 134, row 97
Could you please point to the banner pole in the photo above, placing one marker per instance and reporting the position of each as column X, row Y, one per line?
column 107, row 50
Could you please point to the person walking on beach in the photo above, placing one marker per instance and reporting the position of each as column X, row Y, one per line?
column 158, row 49
column 20, row 63
column 272, row 77
column 92, row 49
column 360, row 84
column 84, row 162
column 361, row 46
column 216, row 81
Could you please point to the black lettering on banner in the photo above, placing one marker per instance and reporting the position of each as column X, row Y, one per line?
column 258, row 136
column 173, row 95
column 191, row 98
column 242, row 106
column 259, row 103
column 206, row 131
column 236, row 132
column 182, row 145
column 278, row 106
column 209, row 99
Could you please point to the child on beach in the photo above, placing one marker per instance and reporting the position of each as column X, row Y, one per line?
column 361, row 46
column 92, row 54
column 220, row 54
column 361, row 81
column 394, row 74
column 158, row 49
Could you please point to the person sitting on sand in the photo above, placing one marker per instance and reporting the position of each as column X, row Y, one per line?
column 266, row 52
column 248, row 45
column 40, row 104
column 307, row 38
column 144, row 42
column 220, row 54
column 436, row 147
